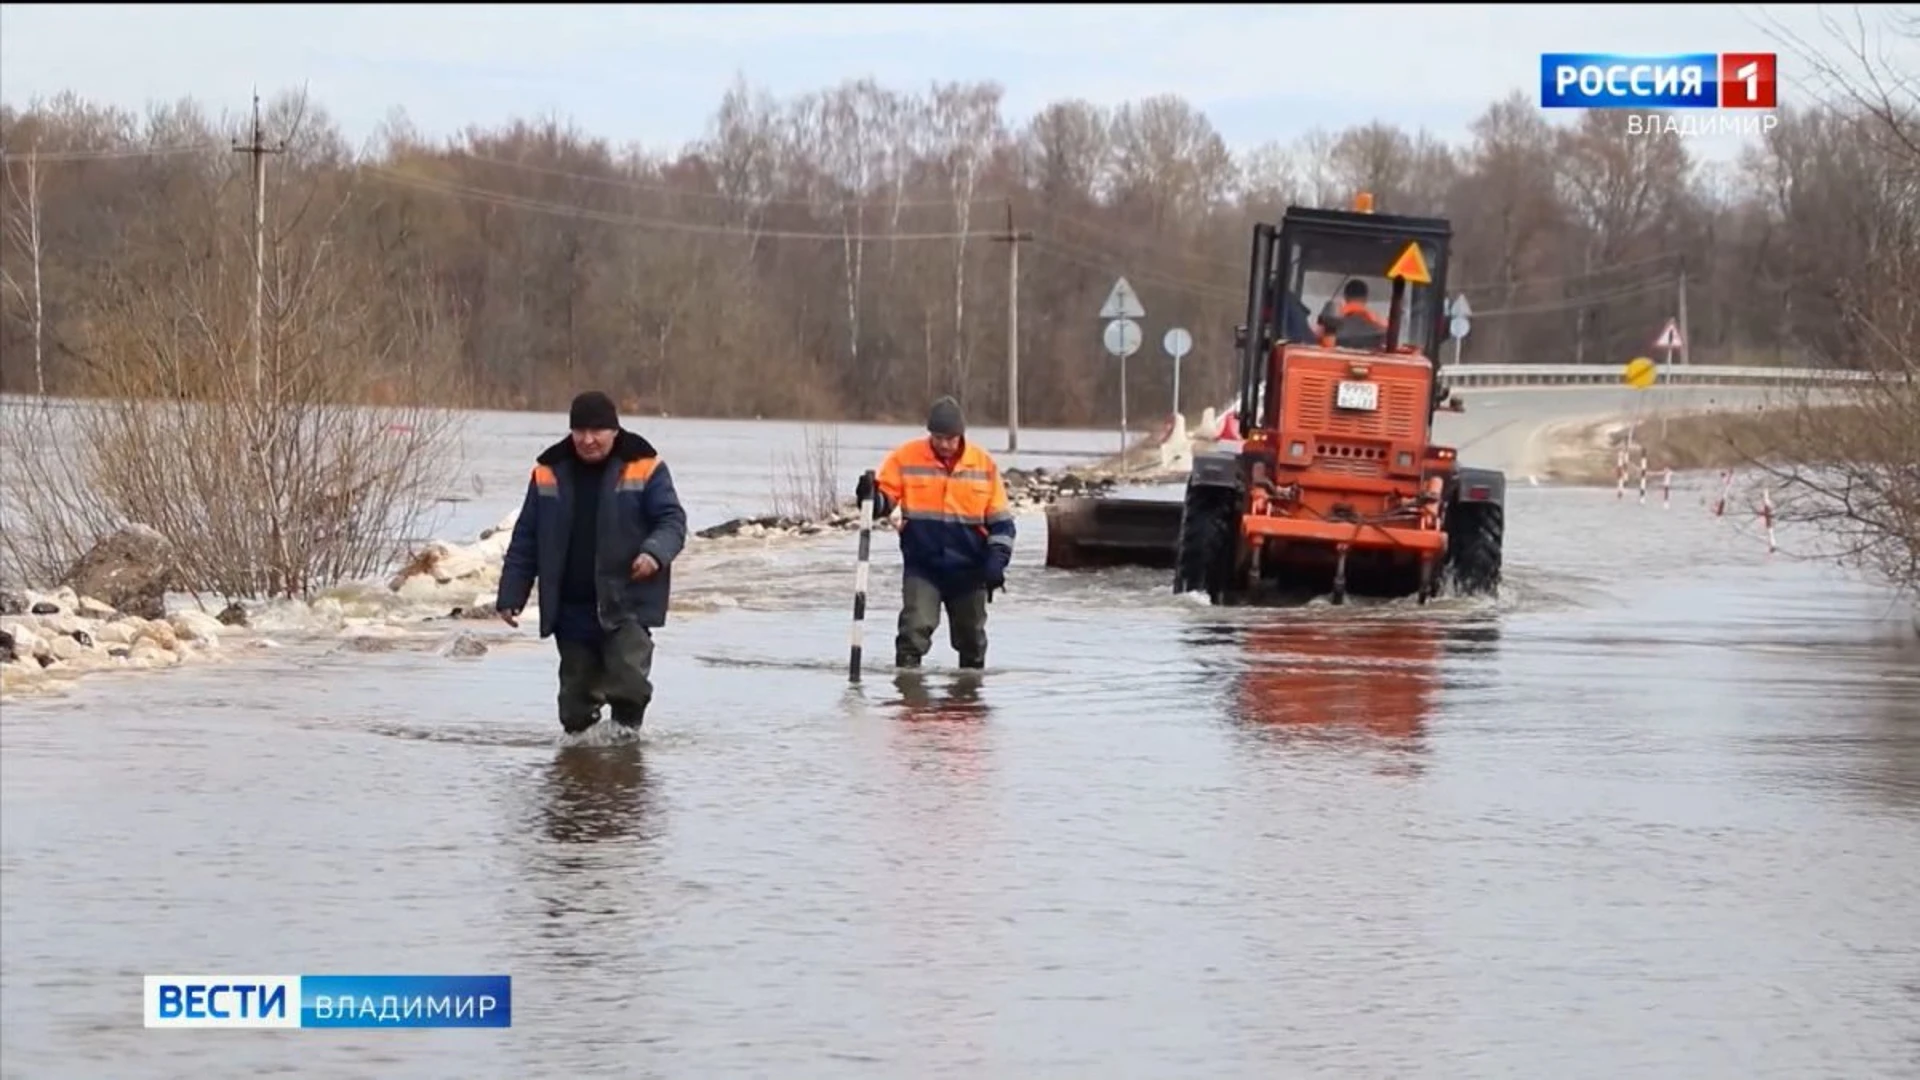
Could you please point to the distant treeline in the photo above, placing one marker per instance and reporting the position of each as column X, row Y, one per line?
column 836, row 255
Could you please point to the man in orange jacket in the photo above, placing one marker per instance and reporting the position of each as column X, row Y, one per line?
column 1353, row 326
column 956, row 535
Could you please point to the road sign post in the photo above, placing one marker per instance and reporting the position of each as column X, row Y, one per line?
column 1668, row 340
column 1122, row 339
column 1460, row 324
column 1177, row 343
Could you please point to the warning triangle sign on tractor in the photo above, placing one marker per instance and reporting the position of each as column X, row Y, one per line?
column 1669, row 337
column 1411, row 267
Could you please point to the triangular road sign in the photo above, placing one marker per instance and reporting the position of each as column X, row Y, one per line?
column 1122, row 303
column 1410, row 266
column 1669, row 337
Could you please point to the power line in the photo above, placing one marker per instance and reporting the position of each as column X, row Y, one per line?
column 1105, row 262
column 1604, row 271
column 667, row 188
column 114, row 154
column 1572, row 303
column 540, row 206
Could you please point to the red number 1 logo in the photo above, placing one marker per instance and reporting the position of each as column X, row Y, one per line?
column 1747, row 81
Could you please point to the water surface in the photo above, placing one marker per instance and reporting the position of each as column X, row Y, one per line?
column 1652, row 813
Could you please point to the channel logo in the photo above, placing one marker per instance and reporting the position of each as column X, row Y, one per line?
column 328, row 1001
column 1686, row 81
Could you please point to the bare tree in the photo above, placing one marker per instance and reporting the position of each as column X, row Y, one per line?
column 23, row 229
column 967, row 118
column 279, row 491
column 1849, row 463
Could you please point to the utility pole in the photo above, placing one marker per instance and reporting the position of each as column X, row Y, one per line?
column 1686, row 339
column 259, row 149
column 1013, row 239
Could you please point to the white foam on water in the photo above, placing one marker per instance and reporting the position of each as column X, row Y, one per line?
column 602, row 735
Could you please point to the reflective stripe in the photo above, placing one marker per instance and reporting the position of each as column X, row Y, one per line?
column 980, row 475
column 970, row 495
column 952, row 519
column 635, row 476
column 947, row 516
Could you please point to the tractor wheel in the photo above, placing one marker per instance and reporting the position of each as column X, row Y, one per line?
column 1475, row 536
column 1209, row 531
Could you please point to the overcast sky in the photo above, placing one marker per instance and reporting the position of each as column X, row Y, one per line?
column 653, row 74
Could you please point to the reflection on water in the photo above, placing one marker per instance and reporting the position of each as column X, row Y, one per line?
column 1377, row 678
column 597, row 793
column 959, row 701
column 1332, row 678
column 601, row 819
column 941, row 729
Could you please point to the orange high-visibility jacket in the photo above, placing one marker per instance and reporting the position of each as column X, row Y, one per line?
column 1352, row 309
column 956, row 521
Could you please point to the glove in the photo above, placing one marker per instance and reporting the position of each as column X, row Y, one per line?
column 863, row 490
column 994, row 577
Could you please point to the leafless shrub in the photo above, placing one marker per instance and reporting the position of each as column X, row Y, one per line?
column 808, row 487
column 265, row 466
column 1854, row 472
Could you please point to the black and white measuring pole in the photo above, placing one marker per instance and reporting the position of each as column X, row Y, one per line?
column 860, row 576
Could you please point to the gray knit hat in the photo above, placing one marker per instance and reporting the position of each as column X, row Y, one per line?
column 945, row 418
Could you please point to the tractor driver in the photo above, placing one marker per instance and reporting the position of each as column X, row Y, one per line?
column 1352, row 326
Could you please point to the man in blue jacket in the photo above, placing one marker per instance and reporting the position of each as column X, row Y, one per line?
column 599, row 530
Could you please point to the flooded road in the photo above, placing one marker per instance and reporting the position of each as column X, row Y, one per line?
column 1652, row 813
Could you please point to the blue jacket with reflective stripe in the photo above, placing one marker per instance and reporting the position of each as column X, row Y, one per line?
column 639, row 511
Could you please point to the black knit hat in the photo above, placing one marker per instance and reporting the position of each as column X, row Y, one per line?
column 945, row 418
column 592, row 410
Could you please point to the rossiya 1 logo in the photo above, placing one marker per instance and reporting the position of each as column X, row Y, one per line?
column 1686, row 81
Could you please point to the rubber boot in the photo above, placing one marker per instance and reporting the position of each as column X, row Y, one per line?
column 973, row 662
column 574, row 725
column 630, row 717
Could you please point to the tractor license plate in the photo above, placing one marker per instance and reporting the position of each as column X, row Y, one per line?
column 1358, row 395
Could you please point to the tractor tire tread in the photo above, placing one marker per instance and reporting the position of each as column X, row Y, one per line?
column 1476, row 534
column 1208, row 524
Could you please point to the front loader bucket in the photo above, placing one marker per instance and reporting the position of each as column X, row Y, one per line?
column 1086, row 533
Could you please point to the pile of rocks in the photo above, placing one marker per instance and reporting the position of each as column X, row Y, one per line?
column 844, row 520
column 63, row 634
column 1028, row 490
column 109, row 612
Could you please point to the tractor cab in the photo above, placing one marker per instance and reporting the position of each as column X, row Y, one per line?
column 1351, row 281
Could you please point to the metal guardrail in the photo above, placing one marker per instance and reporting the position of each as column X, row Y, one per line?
column 1462, row 375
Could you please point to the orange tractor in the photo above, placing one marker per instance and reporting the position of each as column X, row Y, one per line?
column 1337, row 488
